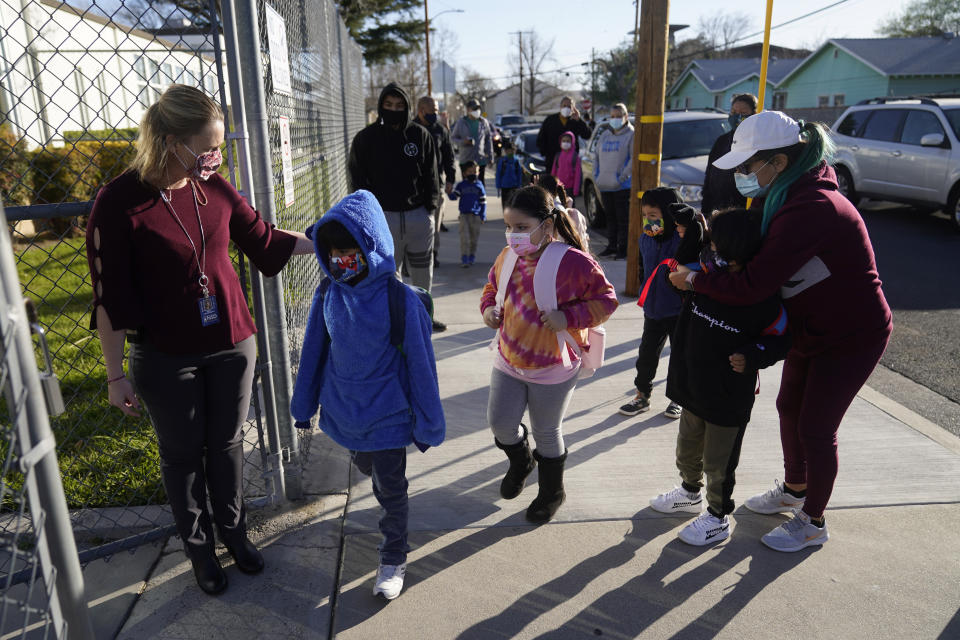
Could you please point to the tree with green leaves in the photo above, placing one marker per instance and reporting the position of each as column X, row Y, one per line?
column 384, row 29
column 923, row 18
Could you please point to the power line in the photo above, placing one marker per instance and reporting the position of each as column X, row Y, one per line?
column 760, row 33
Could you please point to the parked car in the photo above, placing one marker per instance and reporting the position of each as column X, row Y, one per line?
column 531, row 159
column 509, row 119
column 901, row 150
column 510, row 131
column 688, row 137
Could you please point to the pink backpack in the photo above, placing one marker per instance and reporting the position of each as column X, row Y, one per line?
column 545, row 293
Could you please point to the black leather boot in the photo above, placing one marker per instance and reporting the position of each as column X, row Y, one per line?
column 521, row 464
column 551, row 494
column 207, row 570
column 247, row 557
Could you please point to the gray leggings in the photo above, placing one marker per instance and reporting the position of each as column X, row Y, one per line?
column 547, row 403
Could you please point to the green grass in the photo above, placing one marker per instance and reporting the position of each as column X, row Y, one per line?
column 106, row 459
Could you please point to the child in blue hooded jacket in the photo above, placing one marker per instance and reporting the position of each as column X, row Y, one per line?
column 375, row 399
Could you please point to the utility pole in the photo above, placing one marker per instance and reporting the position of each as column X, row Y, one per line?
column 593, row 83
column 520, row 59
column 426, row 24
column 648, row 138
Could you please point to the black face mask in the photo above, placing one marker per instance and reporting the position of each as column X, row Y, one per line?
column 430, row 118
column 472, row 178
column 393, row 117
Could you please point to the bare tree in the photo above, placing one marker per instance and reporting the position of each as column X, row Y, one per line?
column 474, row 85
column 408, row 70
column 721, row 30
column 534, row 56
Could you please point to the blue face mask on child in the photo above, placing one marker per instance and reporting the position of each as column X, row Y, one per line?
column 710, row 261
column 345, row 268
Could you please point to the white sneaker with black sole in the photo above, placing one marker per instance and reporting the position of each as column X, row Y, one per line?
column 706, row 529
column 389, row 582
column 776, row 500
column 798, row 533
column 679, row 500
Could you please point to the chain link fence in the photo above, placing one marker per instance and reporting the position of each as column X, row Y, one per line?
column 74, row 83
column 324, row 110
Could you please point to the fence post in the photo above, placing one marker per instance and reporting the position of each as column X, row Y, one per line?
column 39, row 461
column 260, row 156
column 234, row 73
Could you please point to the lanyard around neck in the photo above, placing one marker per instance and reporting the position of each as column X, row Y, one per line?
column 200, row 257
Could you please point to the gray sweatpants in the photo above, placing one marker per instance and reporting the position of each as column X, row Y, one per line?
column 547, row 403
column 412, row 233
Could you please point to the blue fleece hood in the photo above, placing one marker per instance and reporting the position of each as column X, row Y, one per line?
column 371, row 396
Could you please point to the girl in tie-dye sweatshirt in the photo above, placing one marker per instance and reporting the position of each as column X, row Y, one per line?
column 529, row 371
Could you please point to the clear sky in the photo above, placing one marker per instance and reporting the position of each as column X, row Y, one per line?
column 577, row 26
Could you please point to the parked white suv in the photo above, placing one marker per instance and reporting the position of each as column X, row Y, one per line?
column 901, row 150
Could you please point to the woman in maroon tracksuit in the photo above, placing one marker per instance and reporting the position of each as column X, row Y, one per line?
column 817, row 254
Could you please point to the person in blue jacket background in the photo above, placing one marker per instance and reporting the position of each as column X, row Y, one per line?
column 509, row 176
column 375, row 399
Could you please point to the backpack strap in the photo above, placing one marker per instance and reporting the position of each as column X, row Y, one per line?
column 545, row 291
column 506, row 270
column 396, row 300
column 322, row 289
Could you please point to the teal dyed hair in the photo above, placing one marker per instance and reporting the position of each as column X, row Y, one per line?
column 816, row 146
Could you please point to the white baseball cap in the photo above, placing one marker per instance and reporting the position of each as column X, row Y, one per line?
column 764, row 130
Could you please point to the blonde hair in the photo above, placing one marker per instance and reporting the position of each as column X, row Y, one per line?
column 182, row 111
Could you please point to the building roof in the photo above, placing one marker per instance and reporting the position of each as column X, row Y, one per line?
column 905, row 56
column 721, row 74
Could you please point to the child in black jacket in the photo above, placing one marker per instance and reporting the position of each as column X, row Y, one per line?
column 717, row 351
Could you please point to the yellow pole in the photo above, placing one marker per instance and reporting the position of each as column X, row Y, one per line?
column 764, row 59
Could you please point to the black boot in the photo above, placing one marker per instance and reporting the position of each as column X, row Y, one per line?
column 207, row 570
column 246, row 555
column 521, row 464
column 551, row 494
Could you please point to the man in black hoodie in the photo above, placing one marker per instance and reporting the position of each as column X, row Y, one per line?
column 719, row 186
column 396, row 160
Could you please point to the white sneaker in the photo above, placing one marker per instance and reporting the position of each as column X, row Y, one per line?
column 776, row 500
column 390, row 580
column 796, row 534
column 706, row 529
column 676, row 501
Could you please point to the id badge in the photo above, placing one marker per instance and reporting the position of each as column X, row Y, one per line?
column 208, row 311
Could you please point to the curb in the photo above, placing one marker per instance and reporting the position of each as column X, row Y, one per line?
column 910, row 418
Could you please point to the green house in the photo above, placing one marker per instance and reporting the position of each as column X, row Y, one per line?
column 713, row 83
column 847, row 70
column 841, row 72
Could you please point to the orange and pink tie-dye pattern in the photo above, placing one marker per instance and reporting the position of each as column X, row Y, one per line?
column 583, row 294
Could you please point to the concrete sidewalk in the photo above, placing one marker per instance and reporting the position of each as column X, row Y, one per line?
column 607, row 566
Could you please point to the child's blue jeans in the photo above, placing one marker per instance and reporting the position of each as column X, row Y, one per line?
column 388, row 469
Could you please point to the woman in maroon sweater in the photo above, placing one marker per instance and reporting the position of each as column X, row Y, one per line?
column 157, row 247
column 817, row 254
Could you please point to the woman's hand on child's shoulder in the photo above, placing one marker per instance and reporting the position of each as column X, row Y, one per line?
column 491, row 318
column 554, row 320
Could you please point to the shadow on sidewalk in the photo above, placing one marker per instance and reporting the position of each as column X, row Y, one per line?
column 649, row 596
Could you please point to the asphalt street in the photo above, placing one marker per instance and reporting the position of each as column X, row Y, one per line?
column 917, row 256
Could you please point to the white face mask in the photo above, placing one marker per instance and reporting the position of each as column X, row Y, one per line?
column 565, row 145
column 566, row 111
column 475, row 113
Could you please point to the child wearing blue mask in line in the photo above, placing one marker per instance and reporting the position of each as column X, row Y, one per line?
column 375, row 397
column 660, row 301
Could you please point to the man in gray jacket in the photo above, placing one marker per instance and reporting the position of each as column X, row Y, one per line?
column 612, row 173
column 473, row 135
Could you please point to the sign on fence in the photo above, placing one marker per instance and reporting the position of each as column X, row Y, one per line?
column 286, row 161
column 277, row 40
